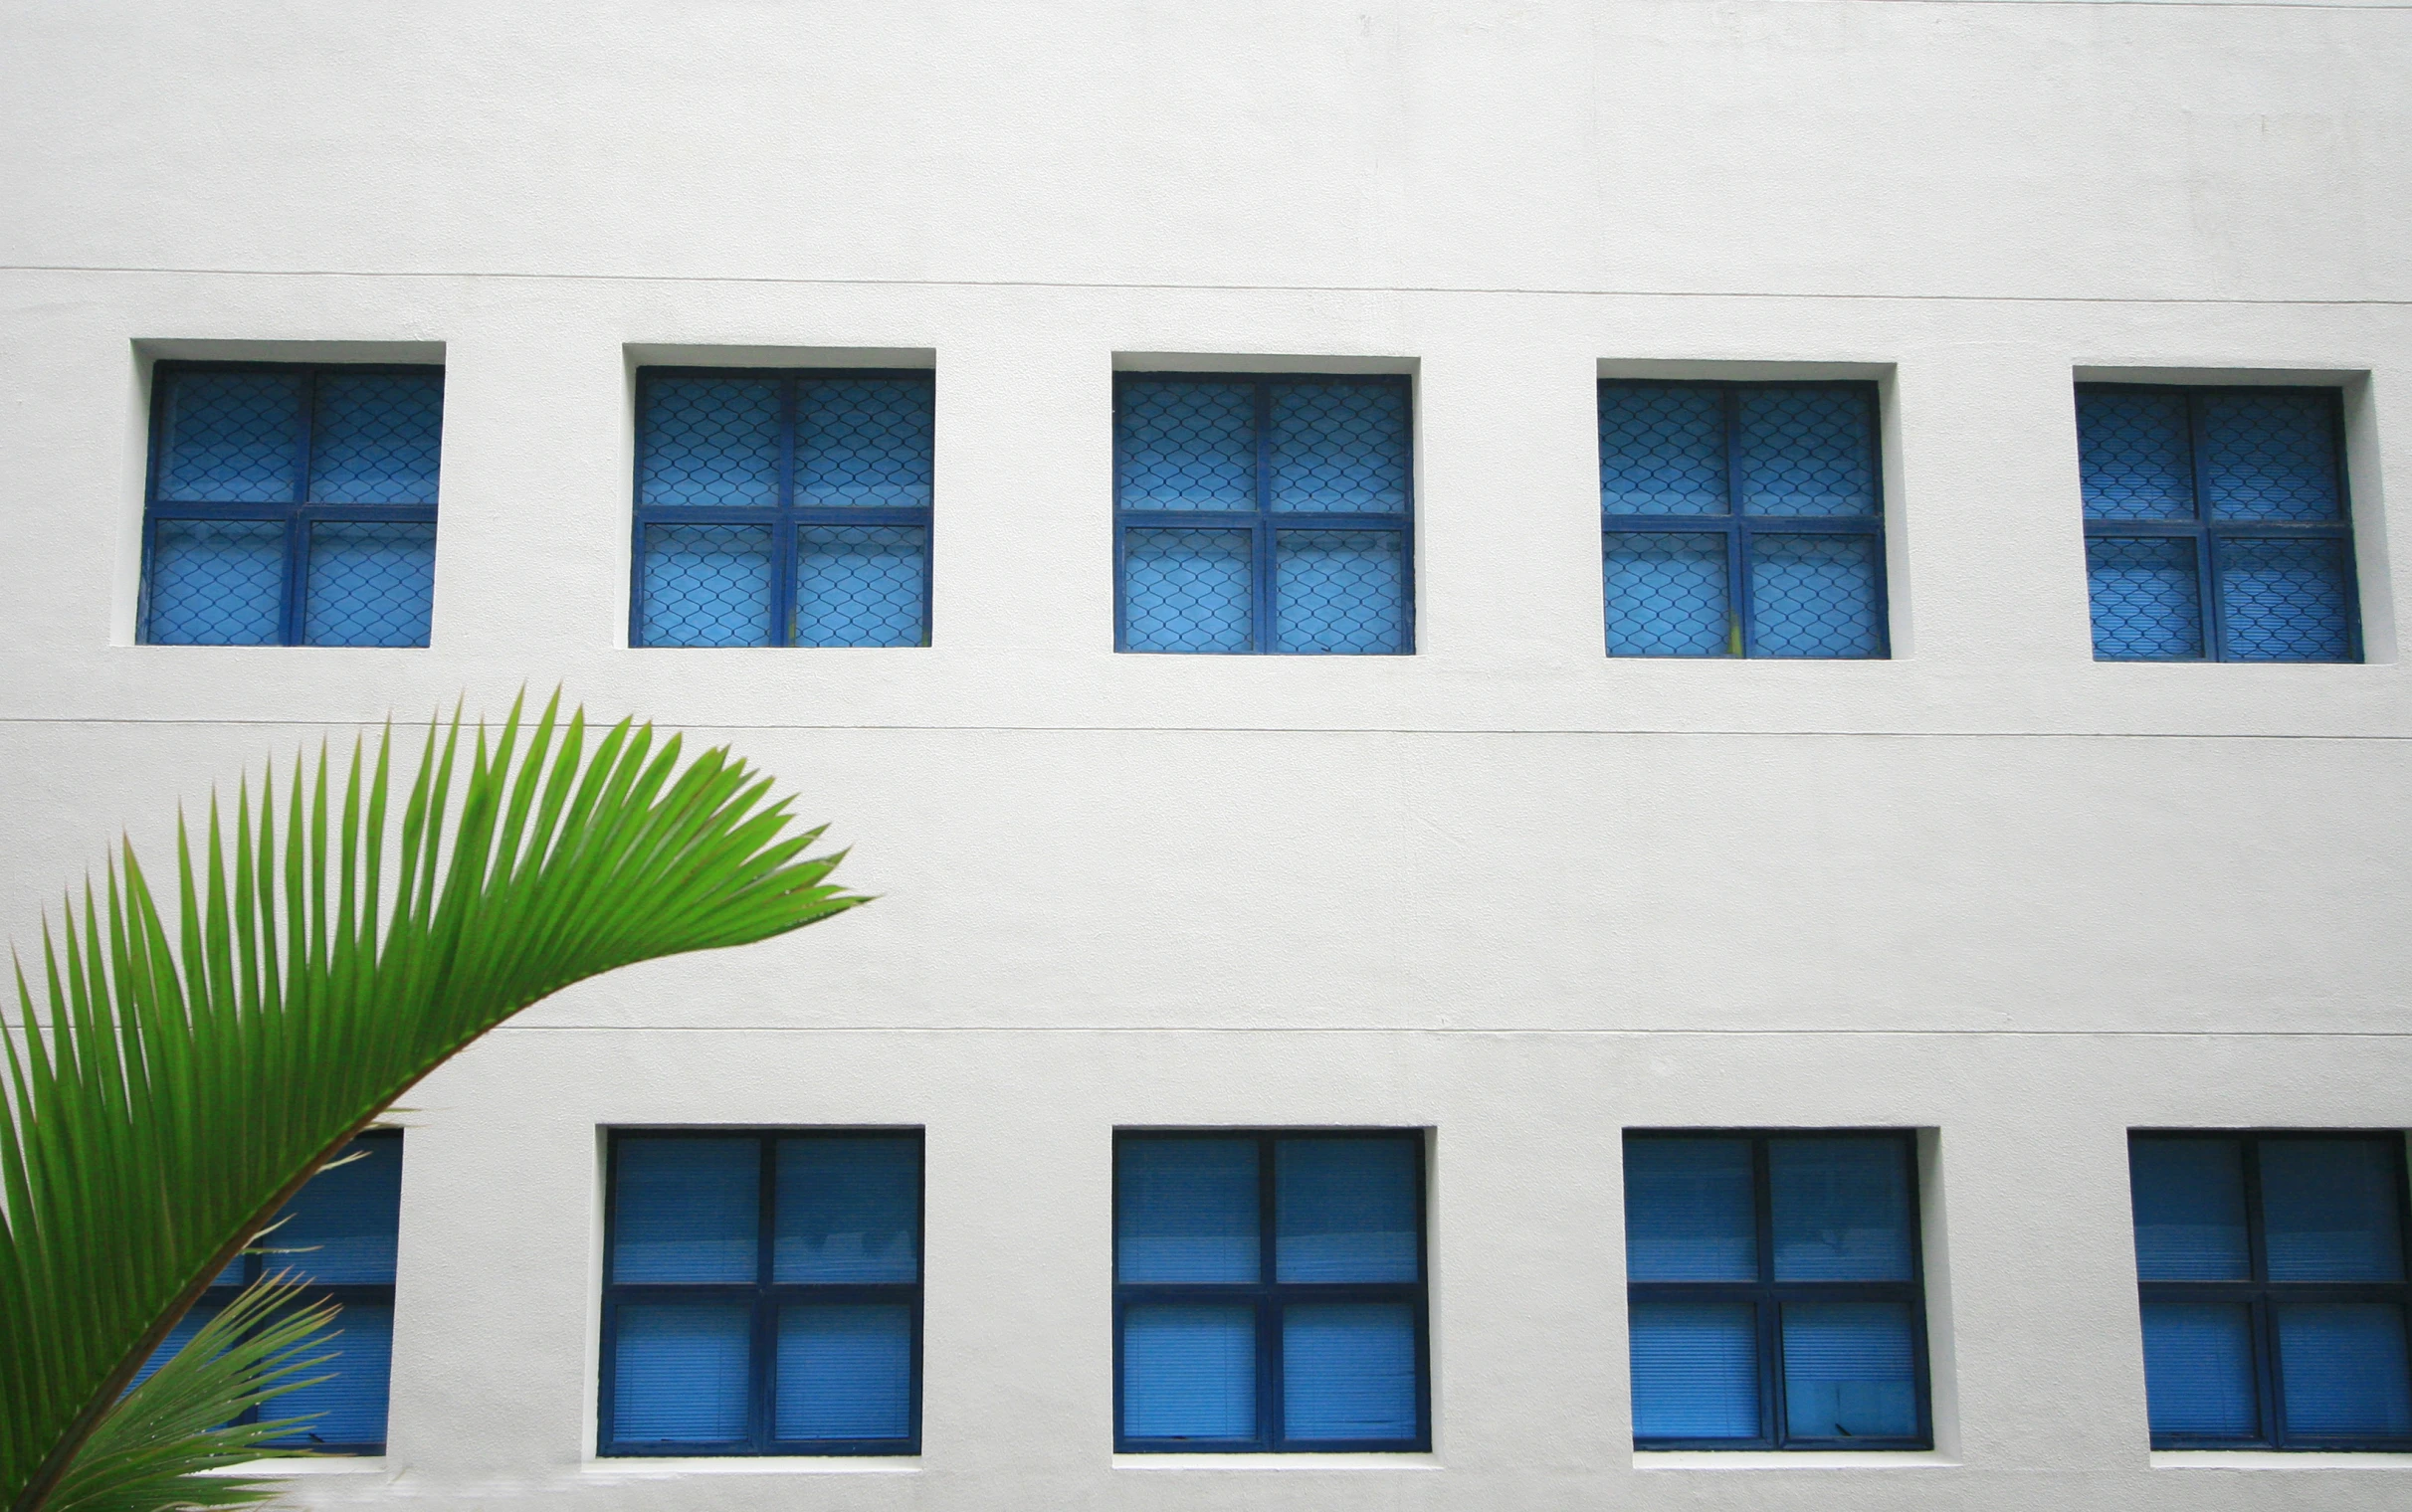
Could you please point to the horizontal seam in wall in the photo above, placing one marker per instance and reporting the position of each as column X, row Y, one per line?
column 1279, row 1028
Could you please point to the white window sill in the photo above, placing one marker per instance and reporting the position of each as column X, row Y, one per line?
column 1793, row 1459
column 325, row 1464
column 1309, row 1461
column 664, row 1467
column 2271, row 1460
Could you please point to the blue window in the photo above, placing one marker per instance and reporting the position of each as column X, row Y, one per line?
column 763, row 1293
column 1773, row 1292
column 1264, row 515
column 2215, row 524
column 1741, row 519
column 2270, row 1268
column 1268, row 1293
column 290, row 506
column 782, row 509
column 338, row 1232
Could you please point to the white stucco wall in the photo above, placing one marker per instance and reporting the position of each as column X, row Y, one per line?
column 1504, row 888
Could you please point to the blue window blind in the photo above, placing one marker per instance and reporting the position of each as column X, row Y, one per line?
column 1264, row 513
column 2275, row 1298
column 1773, row 1290
column 1741, row 519
column 2216, row 524
column 782, row 507
column 763, row 1293
column 1269, row 1292
column 292, row 505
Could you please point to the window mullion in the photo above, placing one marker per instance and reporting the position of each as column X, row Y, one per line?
column 1741, row 637
column 783, row 543
column 1265, row 545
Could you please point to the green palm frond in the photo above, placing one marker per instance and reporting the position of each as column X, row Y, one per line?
column 180, row 1088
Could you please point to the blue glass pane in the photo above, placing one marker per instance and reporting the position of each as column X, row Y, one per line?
column 2133, row 455
column 2189, row 1202
column 2331, row 1209
column 2148, row 598
column 1340, row 591
column 1344, row 1210
column 861, row 585
column 863, row 440
column 1349, row 1371
column 2269, row 457
column 371, row 584
column 216, row 583
column 1841, row 1209
column 1815, row 596
column 1187, row 590
column 710, row 440
column 686, row 1210
column 2343, row 1371
column 1186, row 446
column 1189, row 1371
column 1688, row 1211
column 849, row 1210
column 679, row 1373
column 1341, row 446
column 708, row 585
column 351, row 1403
column 2198, row 1369
column 1807, row 451
column 1666, row 594
column 232, row 437
column 845, row 1371
column 1848, row 1371
column 340, row 1230
column 1185, row 1209
column 177, row 1337
column 377, row 438
column 1662, row 450
column 1694, row 1370
column 2285, row 600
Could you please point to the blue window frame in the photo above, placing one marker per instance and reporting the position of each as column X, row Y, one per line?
column 2271, row 1275
column 762, row 1292
column 1774, row 1290
column 290, row 506
column 1269, row 514
column 2216, row 527
column 782, row 507
column 1269, row 1292
column 1741, row 519
column 341, row 1234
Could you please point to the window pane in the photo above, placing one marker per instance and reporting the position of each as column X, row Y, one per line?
column 1187, row 590
column 708, row 585
column 2189, row 1201
column 377, row 438
column 1662, row 450
column 2148, row 598
column 216, row 583
column 679, row 1373
column 1688, row 1211
column 861, row 585
column 686, row 1210
column 1848, row 1370
column 1841, row 1209
column 1185, row 1210
column 1694, row 1370
column 1666, row 594
column 177, row 1337
column 845, row 1371
column 352, row 1401
column 2330, row 1210
column 2286, row 600
column 2342, row 1370
column 1189, row 1371
column 863, row 440
column 849, row 1210
column 1344, row 1210
column 1186, row 446
column 1807, row 451
column 2198, row 1369
column 2269, row 457
column 232, row 437
column 1349, row 1371
column 1815, row 596
column 1340, row 591
column 340, row 1230
column 1341, row 446
column 2135, row 455
column 371, row 584
column 710, row 440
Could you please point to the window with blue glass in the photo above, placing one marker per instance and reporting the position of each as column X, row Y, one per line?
column 2216, row 527
column 1741, row 519
column 1264, row 513
column 1774, row 1297
column 339, row 1234
column 762, row 1292
column 2270, row 1268
column 1268, row 1293
column 784, row 507
column 290, row 506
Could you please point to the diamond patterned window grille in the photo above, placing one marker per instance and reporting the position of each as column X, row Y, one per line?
column 2216, row 524
column 1264, row 513
column 1741, row 519
column 292, row 505
column 782, row 507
